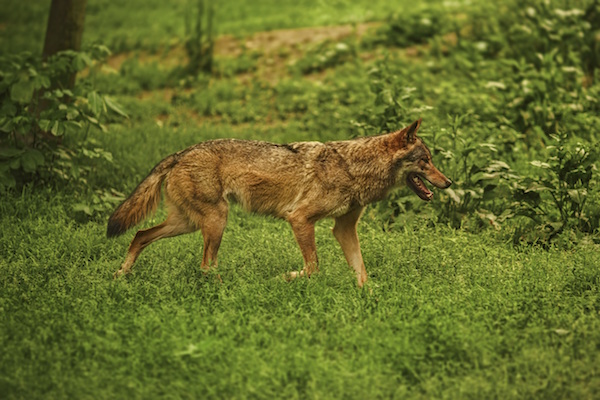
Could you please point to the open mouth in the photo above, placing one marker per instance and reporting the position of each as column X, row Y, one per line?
column 417, row 185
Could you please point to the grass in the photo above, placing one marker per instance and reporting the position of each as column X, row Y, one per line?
column 446, row 313
column 157, row 25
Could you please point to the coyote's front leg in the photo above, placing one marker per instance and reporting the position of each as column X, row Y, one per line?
column 345, row 233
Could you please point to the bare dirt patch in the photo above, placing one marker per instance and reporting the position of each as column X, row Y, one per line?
column 294, row 38
column 276, row 47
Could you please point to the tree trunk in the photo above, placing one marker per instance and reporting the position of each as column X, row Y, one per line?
column 64, row 32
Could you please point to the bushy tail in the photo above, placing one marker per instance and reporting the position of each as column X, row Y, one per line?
column 143, row 201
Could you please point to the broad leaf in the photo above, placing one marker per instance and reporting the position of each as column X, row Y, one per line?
column 96, row 103
column 31, row 160
column 7, row 179
column 45, row 125
column 9, row 152
column 22, row 91
column 116, row 107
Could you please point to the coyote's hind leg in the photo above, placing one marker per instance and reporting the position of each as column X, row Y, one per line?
column 212, row 227
column 175, row 224
column 304, row 232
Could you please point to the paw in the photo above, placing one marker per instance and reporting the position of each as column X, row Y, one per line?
column 290, row 276
column 119, row 273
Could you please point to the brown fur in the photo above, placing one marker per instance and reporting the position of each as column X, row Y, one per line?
column 300, row 182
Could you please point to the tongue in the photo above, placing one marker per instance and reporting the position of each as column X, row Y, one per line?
column 419, row 188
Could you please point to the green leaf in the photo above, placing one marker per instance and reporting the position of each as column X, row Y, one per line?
column 80, row 207
column 453, row 195
column 6, row 124
column 114, row 106
column 72, row 126
column 41, row 81
column 7, row 179
column 495, row 85
column 577, row 196
column 31, row 160
column 538, row 187
column 96, row 103
column 45, row 124
column 72, row 113
column 498, row 165
column 540, row 164
column 15, row 163
column 81, row 60
column 9, row 152
column 8, row 108
column 93, row 120
column 22, row 91
column 55, row 128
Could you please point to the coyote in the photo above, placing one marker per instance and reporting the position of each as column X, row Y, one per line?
column 299, row 182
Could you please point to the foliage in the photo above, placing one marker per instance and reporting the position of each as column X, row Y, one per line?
column 505, row 99
column 411, row 26
column 524, row 29
column 395, row 103
column 555, row 199
column 36, row 115
column 325, row 55
column 479, row 174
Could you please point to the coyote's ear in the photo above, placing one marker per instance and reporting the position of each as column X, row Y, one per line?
column 406, row 136
column 411, row 131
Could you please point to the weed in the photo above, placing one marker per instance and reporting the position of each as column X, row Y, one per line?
column 199, row 41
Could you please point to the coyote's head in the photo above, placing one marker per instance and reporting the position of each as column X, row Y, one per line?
column 414, row 162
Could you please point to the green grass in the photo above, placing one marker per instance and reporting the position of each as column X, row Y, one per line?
column 159, row 24
column 445, row 314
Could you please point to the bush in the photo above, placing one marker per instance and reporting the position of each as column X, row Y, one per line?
column 326, row 55
column 44, row 128
column 509, row 101
column 412, row 26
column 556, row 197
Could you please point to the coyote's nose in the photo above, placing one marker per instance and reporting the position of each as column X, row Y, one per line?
column 447, row 183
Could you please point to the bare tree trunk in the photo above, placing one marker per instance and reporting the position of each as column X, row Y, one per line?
column 64, row 32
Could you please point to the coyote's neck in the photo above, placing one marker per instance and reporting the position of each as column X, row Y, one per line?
column 371, row 167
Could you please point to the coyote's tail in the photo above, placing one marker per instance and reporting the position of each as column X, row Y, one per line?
column 144, row 199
